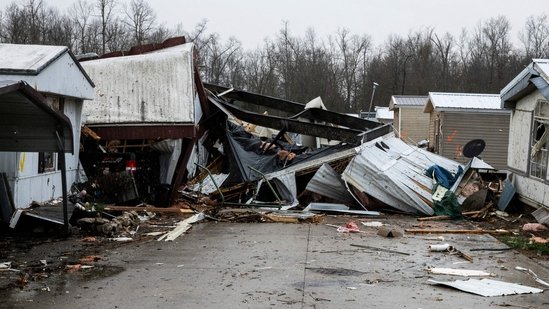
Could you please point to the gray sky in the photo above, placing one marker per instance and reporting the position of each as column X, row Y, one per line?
column 251, row 21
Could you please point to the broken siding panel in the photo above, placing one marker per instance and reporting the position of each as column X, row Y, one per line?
column 534, row 190
column 519, row 140
column 460, row 128
column 148, row 88
column 414, row 124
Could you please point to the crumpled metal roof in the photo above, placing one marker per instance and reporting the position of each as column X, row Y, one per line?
column 445, row 101
column 393, row 172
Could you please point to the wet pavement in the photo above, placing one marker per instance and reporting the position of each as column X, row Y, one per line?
column 260, row 265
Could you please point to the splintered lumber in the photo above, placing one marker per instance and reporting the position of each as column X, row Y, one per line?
column 150, row 209
column 451, row 231
column 181, row 227
column 90, row 133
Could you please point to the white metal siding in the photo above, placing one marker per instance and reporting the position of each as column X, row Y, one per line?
column 519, row 140
column 149, row 88
column 535, row 191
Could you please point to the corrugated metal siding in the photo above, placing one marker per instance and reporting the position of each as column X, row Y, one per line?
column 414, row 124
column 149, row 88
column 460, row 128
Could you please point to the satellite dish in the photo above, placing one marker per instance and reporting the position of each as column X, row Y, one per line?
column 474, row 148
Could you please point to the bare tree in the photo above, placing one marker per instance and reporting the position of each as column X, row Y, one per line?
column 140, row 19
column 535, row 37
column 351, row 51
column 106, row 11
column 81, row 12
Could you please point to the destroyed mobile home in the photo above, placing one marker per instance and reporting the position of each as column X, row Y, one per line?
column 289, row 154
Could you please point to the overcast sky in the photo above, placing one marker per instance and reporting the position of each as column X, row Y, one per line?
column 251, row 21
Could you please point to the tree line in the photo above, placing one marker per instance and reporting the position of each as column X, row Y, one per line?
column 341, row 68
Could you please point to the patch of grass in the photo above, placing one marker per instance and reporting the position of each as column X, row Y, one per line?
column 523, row 243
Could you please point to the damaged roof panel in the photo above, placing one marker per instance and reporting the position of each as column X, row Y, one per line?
column 149, row 88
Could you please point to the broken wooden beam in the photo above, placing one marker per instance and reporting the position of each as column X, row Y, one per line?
column 451, row 231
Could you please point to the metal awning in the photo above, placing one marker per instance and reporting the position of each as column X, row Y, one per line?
column 28, row 123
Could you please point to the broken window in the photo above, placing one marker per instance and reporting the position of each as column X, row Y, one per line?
column 46, row 162
column 540, row 136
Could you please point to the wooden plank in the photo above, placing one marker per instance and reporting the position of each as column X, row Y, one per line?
column 450, row 231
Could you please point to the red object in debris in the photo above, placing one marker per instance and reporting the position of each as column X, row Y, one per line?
column 131, row 166
column 350, row 227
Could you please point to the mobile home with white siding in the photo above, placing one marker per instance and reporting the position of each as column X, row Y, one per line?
column 527, row 95
column 54, row 72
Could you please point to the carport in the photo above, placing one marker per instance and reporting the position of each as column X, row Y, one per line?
column 29, row 124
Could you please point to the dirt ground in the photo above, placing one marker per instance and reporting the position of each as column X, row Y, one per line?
column 47, row 262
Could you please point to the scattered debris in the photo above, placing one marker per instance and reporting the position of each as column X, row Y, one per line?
column 489, row 287
column 439, row 248
column 538, row 280
column 338, row 209
column 121, row 239
column 390, row 232
column 455, row 231
column 372, row 223
column 459, row 272
column 182, row 227
column 349, row 227
column 379, row 249
column 533, row 227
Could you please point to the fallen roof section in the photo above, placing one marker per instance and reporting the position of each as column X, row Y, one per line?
column 310, row 121
column 393, row 172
